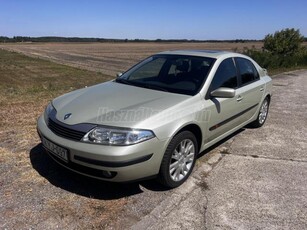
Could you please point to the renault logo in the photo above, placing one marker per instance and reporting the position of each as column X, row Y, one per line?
column 68, row 115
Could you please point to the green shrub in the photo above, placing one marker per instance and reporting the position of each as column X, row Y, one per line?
column 287, row 42
column 281, row 50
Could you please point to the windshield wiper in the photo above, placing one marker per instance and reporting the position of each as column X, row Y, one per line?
column 124, row 81
column 154, row 87
column 139, row 84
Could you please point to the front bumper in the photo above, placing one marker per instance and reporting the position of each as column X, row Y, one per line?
column 112, row 163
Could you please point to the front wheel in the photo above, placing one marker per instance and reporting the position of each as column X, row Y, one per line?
column 179, row 160
column 262, row 115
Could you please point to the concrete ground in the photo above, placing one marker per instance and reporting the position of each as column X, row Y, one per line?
column 257, row 179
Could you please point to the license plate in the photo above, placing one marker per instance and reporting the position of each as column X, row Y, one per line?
column 55, row 149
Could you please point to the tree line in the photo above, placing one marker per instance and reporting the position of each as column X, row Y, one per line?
column 79, row 39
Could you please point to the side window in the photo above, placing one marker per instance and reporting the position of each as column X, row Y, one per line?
column 248, row 72
column 225, row 76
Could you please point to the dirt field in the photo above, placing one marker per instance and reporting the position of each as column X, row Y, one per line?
column 111, row 58
column 35, row 193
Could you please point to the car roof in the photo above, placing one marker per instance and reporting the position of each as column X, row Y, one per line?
column 203, row 53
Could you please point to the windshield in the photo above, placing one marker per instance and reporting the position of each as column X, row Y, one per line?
column 171, row 73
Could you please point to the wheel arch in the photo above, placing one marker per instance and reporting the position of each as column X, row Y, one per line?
column 269, row 97
column 196, row 130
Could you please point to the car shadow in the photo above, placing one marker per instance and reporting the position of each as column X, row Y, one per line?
column 85, row 186
column 82, row 185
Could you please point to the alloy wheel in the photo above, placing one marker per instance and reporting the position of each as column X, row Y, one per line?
column 182, row 160
column 263, row 111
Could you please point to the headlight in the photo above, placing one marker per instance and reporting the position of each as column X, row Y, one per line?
column 48, row 110
column 114, row 136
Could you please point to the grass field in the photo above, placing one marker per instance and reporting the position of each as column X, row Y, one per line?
column 27, row 84
column 27, row 199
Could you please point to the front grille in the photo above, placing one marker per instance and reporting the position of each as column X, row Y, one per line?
column 65, row 132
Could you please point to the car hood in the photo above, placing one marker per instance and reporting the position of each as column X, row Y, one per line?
column 114, row 104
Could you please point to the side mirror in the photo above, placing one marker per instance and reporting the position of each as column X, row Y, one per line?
column 119, row 74
column 223, row 92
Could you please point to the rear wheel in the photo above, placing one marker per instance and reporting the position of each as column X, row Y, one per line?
column 179, row 160
column 262, row 115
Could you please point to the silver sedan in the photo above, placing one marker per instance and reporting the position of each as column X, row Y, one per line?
column 154, row 119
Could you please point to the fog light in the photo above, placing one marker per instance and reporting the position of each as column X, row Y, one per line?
column 107, row 174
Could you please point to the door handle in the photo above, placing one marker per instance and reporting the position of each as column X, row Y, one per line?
column 261, row 89
column 239, row 98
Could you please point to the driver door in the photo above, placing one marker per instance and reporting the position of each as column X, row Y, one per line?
column 224, row 113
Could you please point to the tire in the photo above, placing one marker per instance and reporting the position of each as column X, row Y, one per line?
column 262, row 115
column 178, row 160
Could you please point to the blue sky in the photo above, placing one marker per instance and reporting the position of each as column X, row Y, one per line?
column 188, row 19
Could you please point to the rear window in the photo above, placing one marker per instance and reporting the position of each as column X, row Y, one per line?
column 248, row 72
